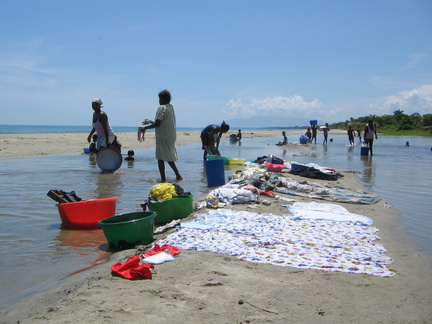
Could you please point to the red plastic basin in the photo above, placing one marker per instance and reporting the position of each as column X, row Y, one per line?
column 86, row 213
column 274, row 167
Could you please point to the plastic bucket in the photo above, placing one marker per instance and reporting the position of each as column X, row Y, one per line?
column 274, row 167
column 215, row 172
column 129, row 230
column 303, row 139
column 175, row 208
column 86, row 213
column 236, row 161
column 218, row 157
column 214, row 157
column 226, row 159
column 364, row 150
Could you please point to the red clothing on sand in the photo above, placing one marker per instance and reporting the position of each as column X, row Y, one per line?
column 173, row 250
column 132, row 269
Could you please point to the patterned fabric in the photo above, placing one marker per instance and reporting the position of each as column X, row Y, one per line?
column 267, row 238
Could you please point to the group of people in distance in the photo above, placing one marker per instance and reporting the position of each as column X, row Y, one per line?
column 164, row 124
column 369, row 135
column 311, row 133
column 165, row 130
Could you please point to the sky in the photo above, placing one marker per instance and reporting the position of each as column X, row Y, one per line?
column 251, row 63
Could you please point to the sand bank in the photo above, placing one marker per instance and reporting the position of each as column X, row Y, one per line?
column 216, row 288
column 33, row 145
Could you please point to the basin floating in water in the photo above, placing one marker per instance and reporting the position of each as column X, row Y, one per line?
column 86, row 213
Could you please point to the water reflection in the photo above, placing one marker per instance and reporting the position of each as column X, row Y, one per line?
column 92, row 161
column 369, row 172
column 82, row 241
column 109, row 184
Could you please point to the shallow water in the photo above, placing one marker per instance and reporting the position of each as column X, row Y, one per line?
column 37, row 251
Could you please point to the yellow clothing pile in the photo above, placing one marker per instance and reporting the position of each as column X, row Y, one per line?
column 163, row 191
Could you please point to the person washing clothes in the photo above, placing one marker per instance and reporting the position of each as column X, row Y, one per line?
column 210, row 138
column 308, row 134
column 101, row 126
column 285, row 139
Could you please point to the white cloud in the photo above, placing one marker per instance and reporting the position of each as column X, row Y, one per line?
column 277, row 106
column 416, row 100
column 414, row 60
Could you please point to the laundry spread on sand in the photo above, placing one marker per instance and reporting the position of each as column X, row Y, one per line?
column 330, row 212
column 276, row 240
column 317, row 191
column 235, row 194
column 264, row 180
column 313, row 190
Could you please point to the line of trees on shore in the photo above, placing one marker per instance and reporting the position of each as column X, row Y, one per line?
column 397, row 124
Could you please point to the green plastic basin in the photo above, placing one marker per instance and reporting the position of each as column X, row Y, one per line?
column 129, row 230
column 175, row 208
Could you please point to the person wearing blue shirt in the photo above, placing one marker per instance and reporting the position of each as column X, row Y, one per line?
column 210, row 138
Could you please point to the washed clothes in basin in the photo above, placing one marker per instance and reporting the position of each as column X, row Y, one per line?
column 86, row 213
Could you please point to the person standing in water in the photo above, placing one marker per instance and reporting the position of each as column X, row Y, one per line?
column 239, row 135
column 350, row 132
column 314, row 133
column 369, row 132
column 326, row 129
column 105, row 134
column 166, row 136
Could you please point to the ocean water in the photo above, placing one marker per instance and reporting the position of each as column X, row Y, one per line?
column 35, row 248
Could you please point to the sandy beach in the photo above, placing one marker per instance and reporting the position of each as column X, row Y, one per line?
column 33, row 145
column 206, row 287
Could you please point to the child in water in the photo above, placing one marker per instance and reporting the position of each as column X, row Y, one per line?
column 130, row 156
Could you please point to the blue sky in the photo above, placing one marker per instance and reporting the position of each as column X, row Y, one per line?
column 252, row 63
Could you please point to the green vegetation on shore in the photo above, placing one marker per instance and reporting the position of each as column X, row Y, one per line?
column 397, row 124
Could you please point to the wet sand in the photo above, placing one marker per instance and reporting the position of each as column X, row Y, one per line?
column 216, row 288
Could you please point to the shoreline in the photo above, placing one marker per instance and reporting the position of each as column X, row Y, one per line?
column 208, row 287
column 34, row 145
